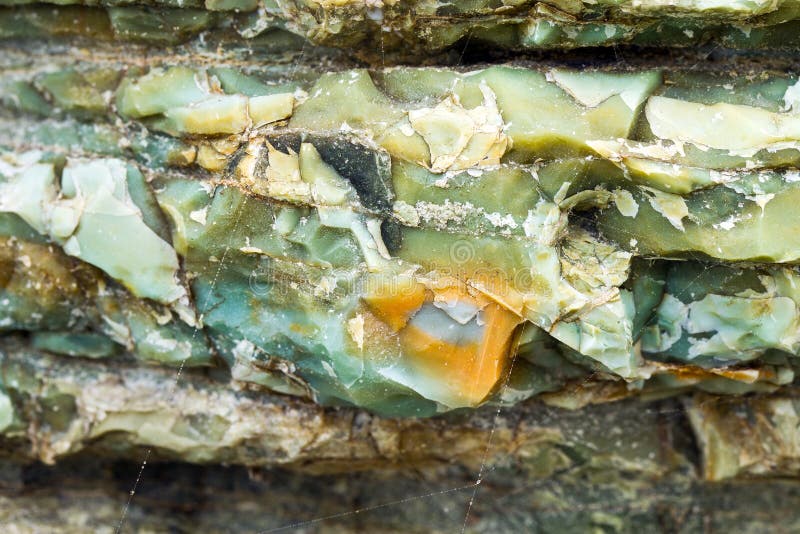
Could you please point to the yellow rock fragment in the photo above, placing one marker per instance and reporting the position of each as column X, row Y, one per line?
column 460, row 138
column 184, row 157
column 327, row 187
column 355, row 327
column 210, row 159
column 283, row 180
column 672, row 207
column 741, row 129
column 219, row 114
column 270, row 108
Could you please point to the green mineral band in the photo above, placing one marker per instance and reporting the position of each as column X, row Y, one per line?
column 417, row 27
column 445, row 239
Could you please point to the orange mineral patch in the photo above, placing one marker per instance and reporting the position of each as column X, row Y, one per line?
column 468, row 372
column 459, row 373
column 395, row 300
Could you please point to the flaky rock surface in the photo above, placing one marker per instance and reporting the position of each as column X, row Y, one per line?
column 452, row 238
column 414, row 29
column 565, row 284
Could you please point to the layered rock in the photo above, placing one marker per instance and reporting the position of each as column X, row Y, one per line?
column 567, row 288
column 414, row 28
column 446, row 239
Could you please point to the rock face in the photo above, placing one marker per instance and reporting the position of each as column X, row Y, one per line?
column 179, row 498
column 671, row 465
column 66, row 406
column 416, row 27
column 449, row 239
column 571, row 280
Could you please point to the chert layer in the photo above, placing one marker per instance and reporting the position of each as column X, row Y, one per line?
column 408, row 240
column 115, row 408
column 415, row 27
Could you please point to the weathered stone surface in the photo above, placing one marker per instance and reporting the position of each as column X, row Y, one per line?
column 396, row 253
column 235, row 247
column 54, row 407
column 417, row 27
column 180, row 498
column 629, row 464
column 61, row 406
